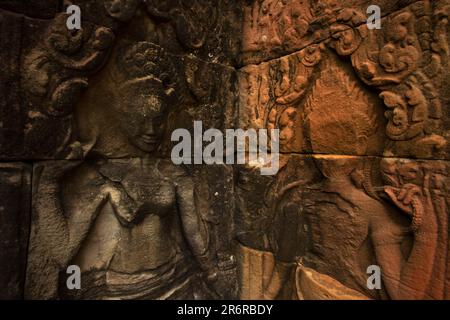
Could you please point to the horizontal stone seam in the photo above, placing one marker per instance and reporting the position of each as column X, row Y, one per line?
column 297, row 51
column 306, row 155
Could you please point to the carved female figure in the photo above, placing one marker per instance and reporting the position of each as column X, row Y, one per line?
column 131, row 224
column 349, row 230
column 350, row 226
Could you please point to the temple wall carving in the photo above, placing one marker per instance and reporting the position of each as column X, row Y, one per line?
column 88, row 179
column 363, row 122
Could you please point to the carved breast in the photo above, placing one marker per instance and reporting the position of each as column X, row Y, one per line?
column 152, row 192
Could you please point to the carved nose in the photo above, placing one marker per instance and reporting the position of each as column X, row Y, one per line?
column 150, row 129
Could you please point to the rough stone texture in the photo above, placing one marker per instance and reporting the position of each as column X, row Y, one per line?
column 48, row 67
column 363, row 119
column 11, row 116
column 137, row 228
column 340, row 214
column 338, row 87
column 364, row 154
column 273, row 28
column 42, row 9
column 98, row 105
column 15, row 193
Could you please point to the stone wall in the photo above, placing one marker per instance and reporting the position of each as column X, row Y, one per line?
column 87, row 178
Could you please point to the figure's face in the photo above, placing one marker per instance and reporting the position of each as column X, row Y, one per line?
column 141, row 118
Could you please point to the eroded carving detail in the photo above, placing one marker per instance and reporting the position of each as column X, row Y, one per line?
column 349, row 212
column 364, row 130
column 134, row 226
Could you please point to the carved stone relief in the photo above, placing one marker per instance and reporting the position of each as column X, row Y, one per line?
column 363, row 119
column 137, row 229
column 53, row 66
column 86, row 118
column 94, row 109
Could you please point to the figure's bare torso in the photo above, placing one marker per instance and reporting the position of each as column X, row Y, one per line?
column 144, row 244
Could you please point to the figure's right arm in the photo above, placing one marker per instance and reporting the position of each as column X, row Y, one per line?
column 65, row 211
column 66, row 199
column 399, row 272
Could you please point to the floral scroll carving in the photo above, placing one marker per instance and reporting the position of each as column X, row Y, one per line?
column 396, row 60
column 58, row 69
column 369, row 108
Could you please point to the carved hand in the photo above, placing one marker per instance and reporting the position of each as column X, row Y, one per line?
column 124, row 207
column 416, row 202
column 54, row 172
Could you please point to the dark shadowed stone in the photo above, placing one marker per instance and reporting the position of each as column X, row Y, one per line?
column 43, row 9
column 15, row 192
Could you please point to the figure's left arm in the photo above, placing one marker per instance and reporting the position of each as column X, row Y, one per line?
column 194, row 227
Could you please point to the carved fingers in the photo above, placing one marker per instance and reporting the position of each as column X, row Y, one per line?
column 124, row 206
column 57, row 170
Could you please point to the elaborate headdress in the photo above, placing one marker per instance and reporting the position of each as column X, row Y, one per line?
column 145, row 62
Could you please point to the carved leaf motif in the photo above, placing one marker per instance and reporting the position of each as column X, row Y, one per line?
column 348, row 36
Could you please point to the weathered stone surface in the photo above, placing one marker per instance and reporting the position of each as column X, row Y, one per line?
column 208, row 30
column 130, row 219
column 274, row 28
column 15, row 195
column 49, row 67
column 43, row 9
column 11, row 117
column 262, row 278
column 193, row 90
column 338, row 215
column 312, row 97
column 344, row 94
column 364, row 129
column 315, row 95
column 215, row 187
column 116, row 90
